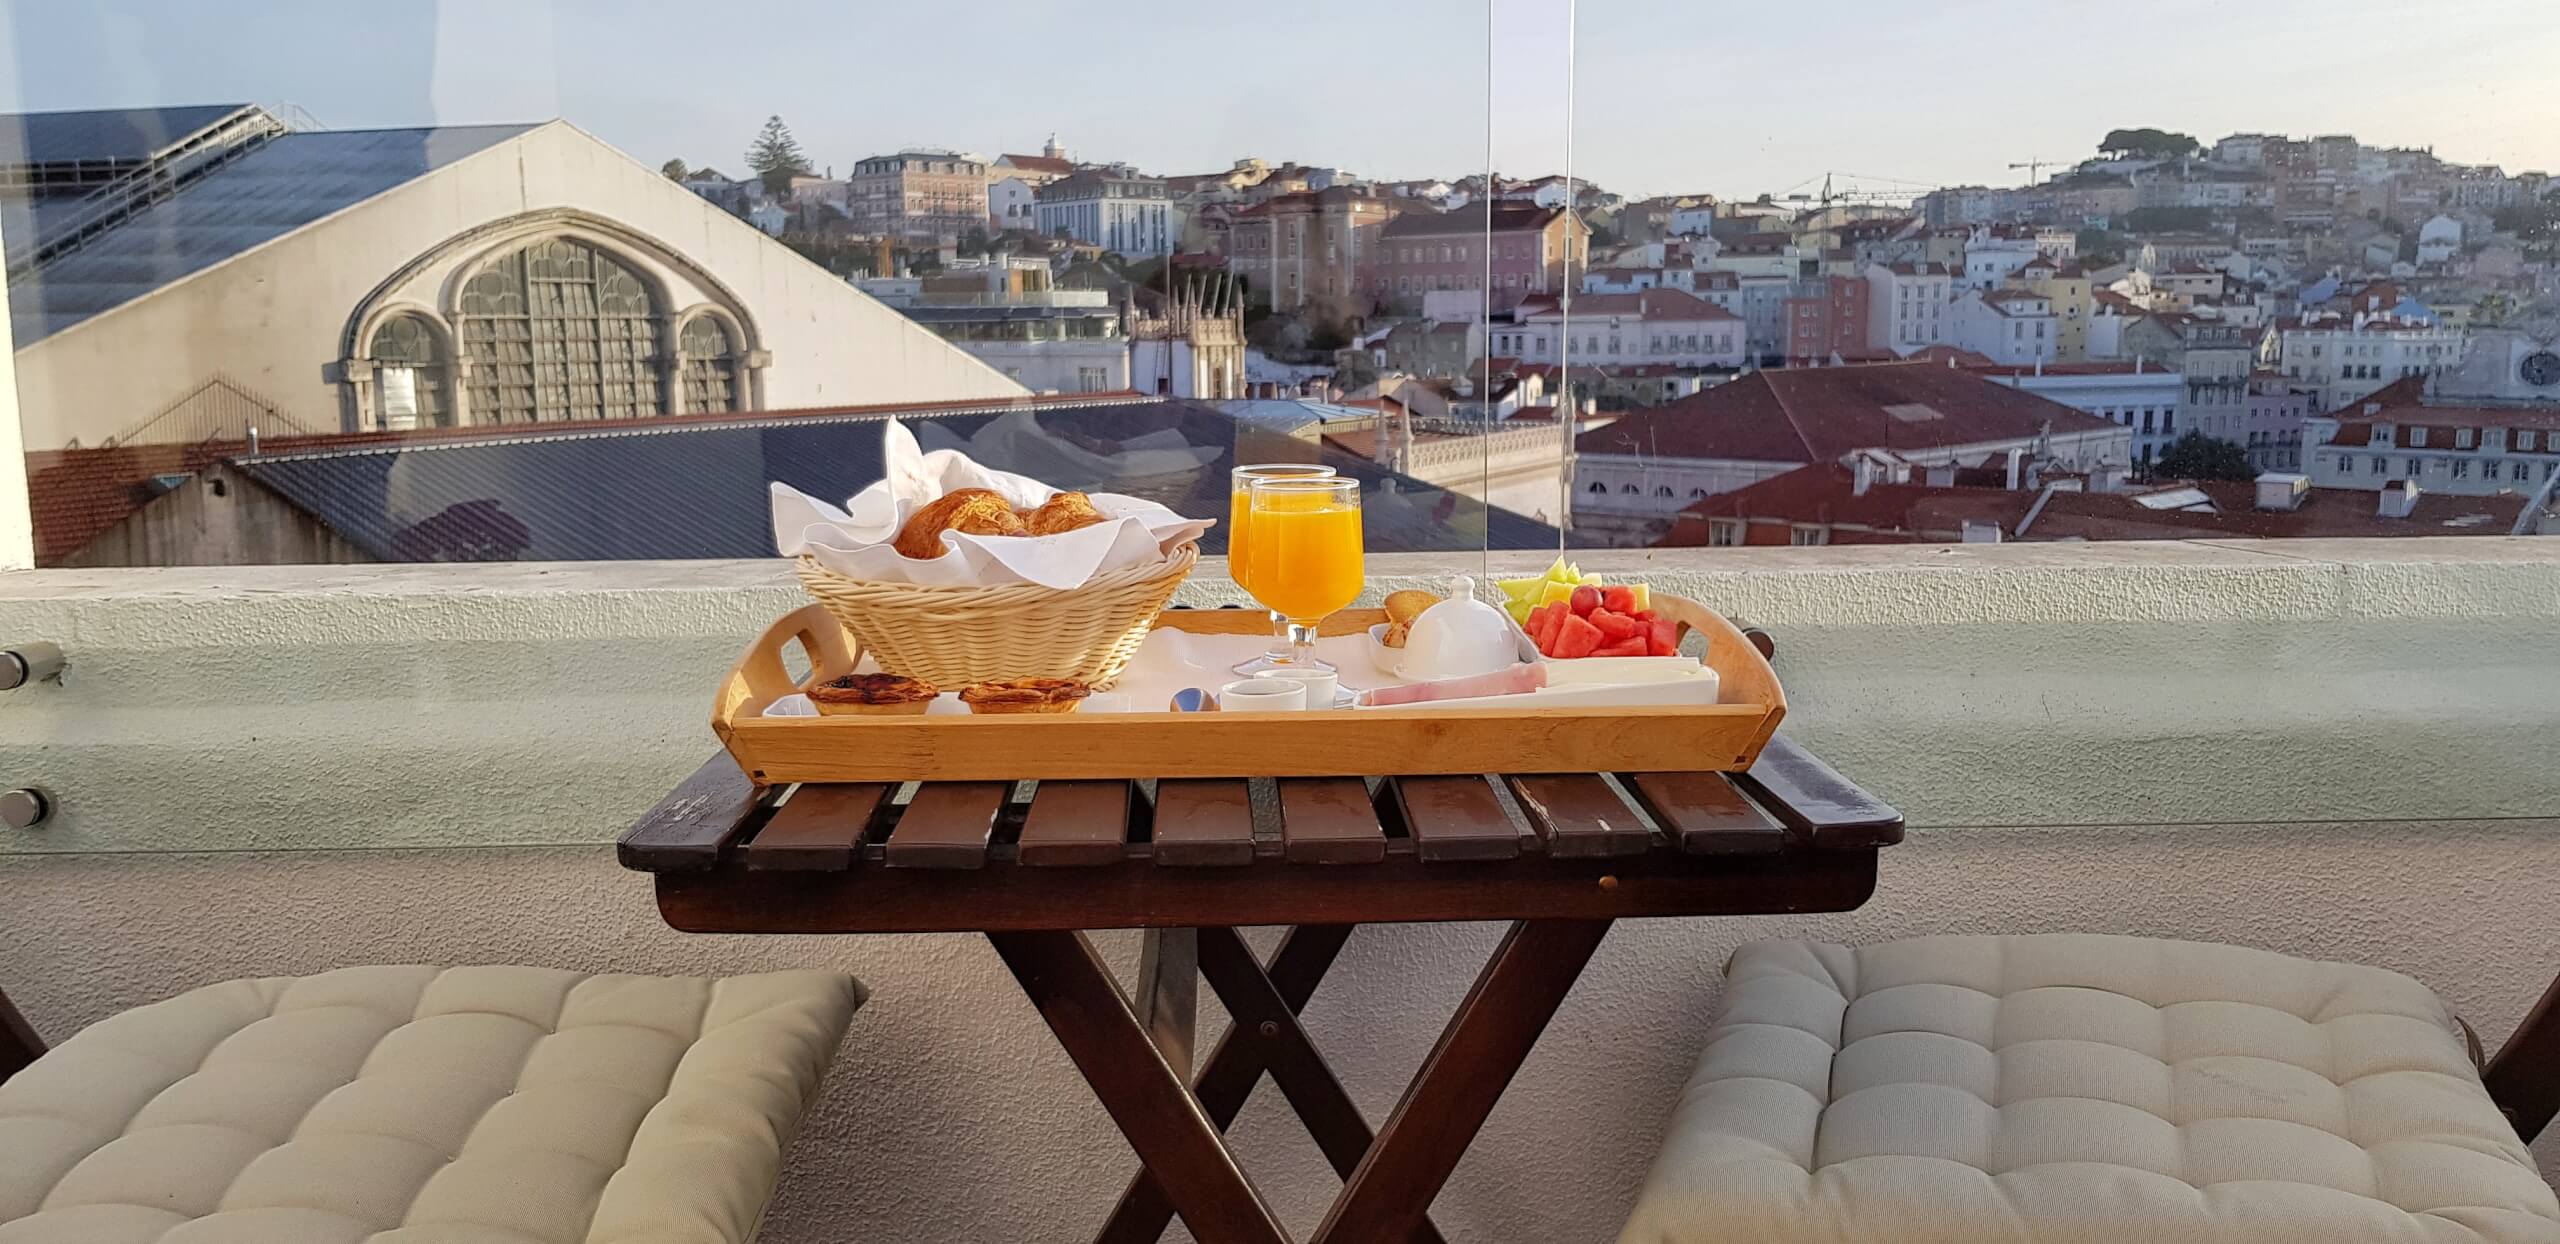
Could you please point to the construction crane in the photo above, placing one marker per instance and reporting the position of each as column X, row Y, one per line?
column 1829, row 196
column 2035, row 166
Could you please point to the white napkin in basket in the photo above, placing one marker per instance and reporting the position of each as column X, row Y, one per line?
column 855, row 541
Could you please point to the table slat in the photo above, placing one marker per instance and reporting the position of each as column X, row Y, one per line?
column 819, row 829
column 947, row 825
column 1706, row 815
column 1203, row 823
column 1580, row 817
column 1076, row 824
column 1329, row 821
column 1455, row 818
column 687, row 829
column 1813, row 799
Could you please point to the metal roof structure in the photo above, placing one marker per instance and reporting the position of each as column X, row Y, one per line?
column 291, row 181
column 695, row 487
column 104, row 134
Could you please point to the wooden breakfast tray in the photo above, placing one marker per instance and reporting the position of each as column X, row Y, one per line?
column 1726, row 736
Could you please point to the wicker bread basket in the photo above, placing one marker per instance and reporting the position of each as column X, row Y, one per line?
column 955, row 636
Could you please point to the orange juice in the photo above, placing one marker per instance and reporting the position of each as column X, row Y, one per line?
column 1306, row 555
column 1239, row 550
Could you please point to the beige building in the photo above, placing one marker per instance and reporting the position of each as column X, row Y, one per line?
column 324, row 282
column 920, row 196
column 1309, row 251
column 2068, row 288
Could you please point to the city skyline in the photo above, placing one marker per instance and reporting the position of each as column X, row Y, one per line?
column 1663, row 104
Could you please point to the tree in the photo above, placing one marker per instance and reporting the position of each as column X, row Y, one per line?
column 674, row 170
column 2198, row 456
column 2149, row 144
column 775, row 157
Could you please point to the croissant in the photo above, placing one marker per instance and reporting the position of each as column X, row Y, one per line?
column 1068, row 511
column 977, row 511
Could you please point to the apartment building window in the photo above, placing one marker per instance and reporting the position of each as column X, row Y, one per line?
column 2519, row 471
column 1091, row 379
column 2462, row 468
column 2418, row 438
column 2462, row 438
column 1805, row 536
column 2381, row 465
column 1724, row 533
column 2415, row 467
column 1630, row 490
column 2524, row 438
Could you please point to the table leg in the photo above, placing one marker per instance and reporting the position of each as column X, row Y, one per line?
column 1154, row 1109
column 1235, row 1065
column 1478, row 1053
column 1318, row 1098
column 1169, row 992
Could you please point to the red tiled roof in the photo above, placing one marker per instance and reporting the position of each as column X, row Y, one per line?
column 1040, row 164
column 1652, row 304
column 1827, row 493
column 1507, row 218
column 1807, row 415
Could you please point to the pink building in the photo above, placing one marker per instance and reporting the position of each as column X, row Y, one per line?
column 1534, row 250
column 1827, row 318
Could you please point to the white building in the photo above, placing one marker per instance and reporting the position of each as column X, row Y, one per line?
column 1989, row 260
column 2439, row 240
column 1009, row 206
column 2142, row 399
column 2464, row 450
column 1693, row 221
column 1664, row 327
column 1908, row 306
column 2344, row 356
column 374, row 279
column 2012, row 326
column 1114, row 208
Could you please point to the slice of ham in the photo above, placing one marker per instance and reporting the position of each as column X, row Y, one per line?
column 1517, row 680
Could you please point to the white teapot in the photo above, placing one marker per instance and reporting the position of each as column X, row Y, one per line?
column 1458, row 638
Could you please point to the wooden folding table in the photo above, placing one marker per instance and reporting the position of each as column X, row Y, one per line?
column 1191, row 860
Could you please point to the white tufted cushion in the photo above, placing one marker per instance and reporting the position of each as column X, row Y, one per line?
column 410, row 1105
column 1998, row 1090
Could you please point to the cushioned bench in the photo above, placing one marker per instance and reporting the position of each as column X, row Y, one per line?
column 2042, row 1089
column 414, row 1105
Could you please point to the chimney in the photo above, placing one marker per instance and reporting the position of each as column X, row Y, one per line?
column 1864, row 472
column 2283, row 492
column 1942, row 475
column 2017, row 458
column 2399, row 499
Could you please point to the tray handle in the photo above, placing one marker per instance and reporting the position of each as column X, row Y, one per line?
column 760, row 678
column 1746, row 673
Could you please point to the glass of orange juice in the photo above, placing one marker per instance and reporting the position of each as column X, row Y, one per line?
column 1240, row 547
column 1306, row 553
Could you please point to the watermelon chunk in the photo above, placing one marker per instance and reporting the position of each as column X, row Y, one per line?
column 1614, row 626
column 1663, row 639
column 1543, row 623
column 1575, row 638
column 1631, row 646
column 1620, row 599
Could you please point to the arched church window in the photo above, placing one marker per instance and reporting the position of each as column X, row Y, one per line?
column 411, row 382
column 561, row 330
column 709, row 365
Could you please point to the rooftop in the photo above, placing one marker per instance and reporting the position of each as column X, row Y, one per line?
column 291, row 181
column 690, row 486
column 1807, row 415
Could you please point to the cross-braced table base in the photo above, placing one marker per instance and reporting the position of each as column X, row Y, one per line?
column 1178, row 1127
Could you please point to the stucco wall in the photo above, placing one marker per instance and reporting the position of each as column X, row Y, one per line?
column 272, row 319
column 2333, row 749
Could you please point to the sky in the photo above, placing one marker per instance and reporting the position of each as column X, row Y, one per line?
column 1667, row 96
